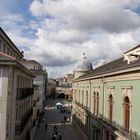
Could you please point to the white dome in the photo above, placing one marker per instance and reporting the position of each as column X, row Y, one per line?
column 84, row 65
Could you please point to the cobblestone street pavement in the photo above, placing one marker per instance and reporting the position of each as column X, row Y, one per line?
column 54, row 117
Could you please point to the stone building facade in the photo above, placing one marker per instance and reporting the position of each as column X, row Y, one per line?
column 16, row 93
column 64, row 85
column 39, row 83
column 106, row 99
column 52, row 87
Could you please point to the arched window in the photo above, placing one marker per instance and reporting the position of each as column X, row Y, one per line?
column 126, row 106
column 87, row 99
column 75, row 99
column 97, row 109
column 79, row 96
column 94, row 103
column 82, row 97
column 110, row 108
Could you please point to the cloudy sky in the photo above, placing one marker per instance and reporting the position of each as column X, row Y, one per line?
column 57, row 32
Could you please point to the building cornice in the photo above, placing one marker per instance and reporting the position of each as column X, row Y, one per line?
column 17, row 65
column 108, row 74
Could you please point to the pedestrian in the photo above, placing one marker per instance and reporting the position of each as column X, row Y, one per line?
column 55, row 128
column 54, row 136
column 64, row 122
column 65, row 118
column 46, row 126
column 68, row 119
column 60, row 137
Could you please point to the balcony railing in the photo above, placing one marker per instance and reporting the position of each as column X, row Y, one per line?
column 23, row 93
column 115, row 126
column 20, row 125
column 79, row 122
column 82, row 106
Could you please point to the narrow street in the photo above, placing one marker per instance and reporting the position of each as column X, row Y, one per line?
column 54, row 117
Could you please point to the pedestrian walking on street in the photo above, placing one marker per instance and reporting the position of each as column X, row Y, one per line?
column 65, row 119
column 55, row 128
column 60, row 137
column 46, row 126
column 54, row 137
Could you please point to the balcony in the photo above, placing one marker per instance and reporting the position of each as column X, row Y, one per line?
column 23, row 93
column 117, row 127
column 20, row 125
column 82, row 106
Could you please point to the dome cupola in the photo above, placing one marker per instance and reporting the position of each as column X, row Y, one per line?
column 83, row 67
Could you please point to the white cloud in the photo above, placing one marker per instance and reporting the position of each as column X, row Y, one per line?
column 61, row 30
column 87, row 26
column 89, row 14
column 20, row 40
column 37, row 8
column 67, row 36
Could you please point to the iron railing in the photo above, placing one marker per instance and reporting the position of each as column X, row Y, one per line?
column 23, row 93
column 20, row 125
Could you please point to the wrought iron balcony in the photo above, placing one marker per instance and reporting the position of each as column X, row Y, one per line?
column 113, row 125
column 23, row 93
column 20, row 125
column 82, row 106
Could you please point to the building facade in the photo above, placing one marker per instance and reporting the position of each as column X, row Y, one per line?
column 39, row 80
column 106, row 99
column 52, row 87
column 40, row 84
column 64, row 85
column 16, row 93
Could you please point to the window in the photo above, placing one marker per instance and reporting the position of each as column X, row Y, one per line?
column 82, row 97
column 75, row 95
column 8, row 51
column 4, row 48
column 110, row 108
column 95, row 133
column 16, row 113
column 79, row 96
column 126, row 106
column 11, row 53
column 14, row 55
column 106, row 135
column 97, row 104
column 7, row 122
column 87, row 99
column 94, row 102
